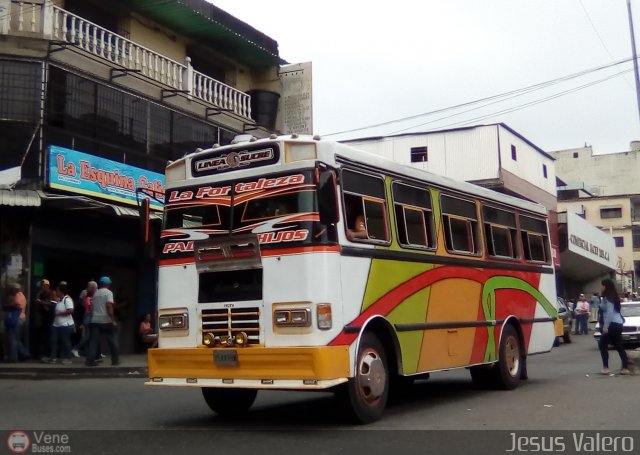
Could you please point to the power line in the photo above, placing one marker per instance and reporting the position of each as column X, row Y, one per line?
column 505, row 95
column 516, row 108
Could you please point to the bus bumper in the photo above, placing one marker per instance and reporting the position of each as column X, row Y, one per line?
column 257, row 367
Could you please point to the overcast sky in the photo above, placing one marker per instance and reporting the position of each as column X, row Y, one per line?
column 376, row 61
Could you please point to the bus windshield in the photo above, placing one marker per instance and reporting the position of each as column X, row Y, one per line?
column 258, row 205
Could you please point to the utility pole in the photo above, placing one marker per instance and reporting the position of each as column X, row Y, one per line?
column 634, row 55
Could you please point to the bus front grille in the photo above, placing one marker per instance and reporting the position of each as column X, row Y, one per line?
column 227, row 322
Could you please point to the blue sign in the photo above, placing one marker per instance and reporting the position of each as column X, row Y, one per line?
column 78, row 172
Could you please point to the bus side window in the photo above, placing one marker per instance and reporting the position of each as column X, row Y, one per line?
column 500, row 233
column 365, row 207
column 414, row 217
column 460, row 224
column 535, row 241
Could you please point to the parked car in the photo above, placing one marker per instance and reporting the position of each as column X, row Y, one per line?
column 631, row 327
column 565, row 315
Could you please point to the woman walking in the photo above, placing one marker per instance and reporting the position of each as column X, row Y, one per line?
column 611, row 327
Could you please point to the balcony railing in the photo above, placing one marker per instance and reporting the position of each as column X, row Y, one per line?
column 44, row 19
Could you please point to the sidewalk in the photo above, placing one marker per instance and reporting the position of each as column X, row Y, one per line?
column 131, row 366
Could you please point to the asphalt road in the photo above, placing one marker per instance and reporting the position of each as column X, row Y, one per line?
column 564, row 392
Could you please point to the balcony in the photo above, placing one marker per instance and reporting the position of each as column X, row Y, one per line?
column 42, row 19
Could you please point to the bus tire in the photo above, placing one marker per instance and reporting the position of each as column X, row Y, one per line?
column 229, row 402
column 368, row 390
column 510, row 361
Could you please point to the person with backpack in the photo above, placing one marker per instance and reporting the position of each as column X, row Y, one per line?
column 611, row 327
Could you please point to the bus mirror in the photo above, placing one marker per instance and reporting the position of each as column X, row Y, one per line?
column 328, row 198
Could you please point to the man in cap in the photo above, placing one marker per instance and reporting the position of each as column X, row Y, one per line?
column 103, row 321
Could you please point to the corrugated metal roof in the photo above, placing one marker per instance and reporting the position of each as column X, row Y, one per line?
column 20, row 198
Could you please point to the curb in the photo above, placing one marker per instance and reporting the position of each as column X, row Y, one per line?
column 73, row 373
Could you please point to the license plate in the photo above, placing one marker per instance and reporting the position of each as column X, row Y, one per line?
column 225, row 358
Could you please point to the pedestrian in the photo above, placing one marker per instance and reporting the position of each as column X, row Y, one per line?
column 103, row 321
column 582, row 315
column 84, row 301
column 15, row 316
column 42, row 320
column 62, row 327
column 593, row 306
column 611, row 327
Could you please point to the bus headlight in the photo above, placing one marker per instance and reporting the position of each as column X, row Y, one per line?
column 323, row 316
column 178, row 321
column 299, row 317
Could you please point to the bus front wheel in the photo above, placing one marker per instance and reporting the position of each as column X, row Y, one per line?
column 229, row 402
column 368, row 390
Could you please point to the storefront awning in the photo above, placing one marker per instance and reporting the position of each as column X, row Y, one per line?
column 75, row 202
column 132, row 212
column 20, row 198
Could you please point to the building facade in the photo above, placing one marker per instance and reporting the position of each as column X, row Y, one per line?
column 605, row 190
column 95, row 99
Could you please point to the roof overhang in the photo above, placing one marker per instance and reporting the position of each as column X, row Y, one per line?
column 209, row 25
column 20, row 198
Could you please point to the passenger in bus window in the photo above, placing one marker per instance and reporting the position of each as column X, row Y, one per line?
column 359, row 229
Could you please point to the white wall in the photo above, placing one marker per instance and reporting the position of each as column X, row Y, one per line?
column 529, row 162
column 471, row 154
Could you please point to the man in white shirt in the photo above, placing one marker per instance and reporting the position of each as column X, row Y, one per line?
column 103, row 321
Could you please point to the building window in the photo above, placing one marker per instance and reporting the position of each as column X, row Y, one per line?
column 575, row 154
column 514, row 155
column 611, row 212
column 619, row 241
column 418, row 154
column 544, row 170
column 635, row 238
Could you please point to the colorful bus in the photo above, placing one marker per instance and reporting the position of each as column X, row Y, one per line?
column 295, row 263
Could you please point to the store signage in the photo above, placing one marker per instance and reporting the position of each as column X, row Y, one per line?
column 589, row 247
column 78, row 172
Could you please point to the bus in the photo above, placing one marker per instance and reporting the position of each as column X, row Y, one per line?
column 297, row 263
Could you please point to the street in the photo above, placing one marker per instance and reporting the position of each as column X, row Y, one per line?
column 565, row 391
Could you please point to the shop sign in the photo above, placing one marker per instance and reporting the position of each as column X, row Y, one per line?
column 78, row 172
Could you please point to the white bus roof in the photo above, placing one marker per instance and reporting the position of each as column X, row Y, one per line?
column 330, row 153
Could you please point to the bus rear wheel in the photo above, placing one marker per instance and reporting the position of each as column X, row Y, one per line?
column 368, row 390
column 229, row 402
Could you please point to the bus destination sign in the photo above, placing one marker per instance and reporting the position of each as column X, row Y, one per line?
column 217, row 162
